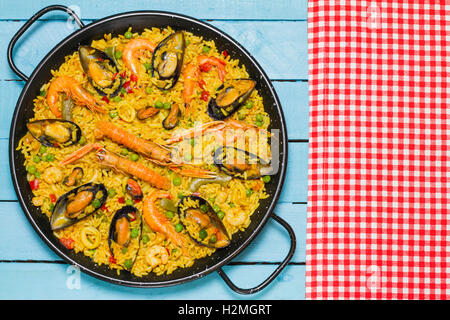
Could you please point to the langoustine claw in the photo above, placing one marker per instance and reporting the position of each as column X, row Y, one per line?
column 72, row 89
column 159, row 223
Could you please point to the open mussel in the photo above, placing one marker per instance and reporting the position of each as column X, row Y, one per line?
column 134, row 189
column 124, row 236
column 173, row 117
column 101, row 71
column 74, row 177
column 55, row 132
column 167, row 60
column 240, row 163
column 230, row 96
column 202, row 223
column 77, row 204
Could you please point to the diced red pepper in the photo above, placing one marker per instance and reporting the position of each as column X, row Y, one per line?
column 114, row 76
column 123, row 74
column 225, row 53
column 205, row 95
column 52, row 198
column 34, row 184
column 104, row 208
column 69, row 243
column 121, row 200
column 127, row 87
column 134, row 78
column 202, row 84
column 205, row 67
column 105, row 99
column 112, row 260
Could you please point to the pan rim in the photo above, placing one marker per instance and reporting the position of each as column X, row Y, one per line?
column 213, row 267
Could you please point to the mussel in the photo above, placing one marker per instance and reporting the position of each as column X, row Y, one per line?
column 124, row 236
column 101, row 71
column 77, row 204
column 146, row 112
column 133, row 189
column 240, row 163
column 167, row 60
column 74, row 177
column 202, row 223
column 55, row 132
column 230, row 96
column 172, row 119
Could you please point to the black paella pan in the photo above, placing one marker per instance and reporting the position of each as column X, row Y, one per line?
column 118, row 24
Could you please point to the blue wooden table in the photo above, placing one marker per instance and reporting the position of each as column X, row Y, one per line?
column 275, row 33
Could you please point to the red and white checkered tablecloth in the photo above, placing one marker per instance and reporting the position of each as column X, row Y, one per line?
column 379, row 164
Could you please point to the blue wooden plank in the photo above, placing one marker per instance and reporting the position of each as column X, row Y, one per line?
column 201, row 9
column 55, row 281
column 279, row 46
column 270, row 246
column 293, row 97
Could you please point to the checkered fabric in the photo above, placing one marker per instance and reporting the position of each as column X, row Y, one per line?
column 379, row 178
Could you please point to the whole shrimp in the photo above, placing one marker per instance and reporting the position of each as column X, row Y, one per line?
column 191, row 74
column 159, row 223
column 131, row 52
column 74, row 90
column 122, row 164
column 205, row 62
column 152, row 151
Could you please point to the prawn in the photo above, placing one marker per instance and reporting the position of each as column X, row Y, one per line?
column 122, row 164
column 159, row 223
column 132, row 51
column 152, row 256
column 72, row 89
column 206, row 62
column 191, row 75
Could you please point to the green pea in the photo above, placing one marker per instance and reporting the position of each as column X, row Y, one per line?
column 169, row 214
column 117, row 99
column 124, row 151
column 134, row 157
column 241, row 116
column 96, row 203
column 82, row 140
column 174, row 250
column 145, row 239
column 42, row 149
column 178, row 227
column 221, row 214
column 231, row 204
column 249, row 105
column 213, row 238
column 118, row 54
column 167, row 105
column 206, row 49
column 180, row 195
column 259, row 123
column 212, row 199
column 52, row 206
column 248, row 192
column 123, row 91
column 50, row 157
column 31, row 169
column 36, row 159
column 204, row 207
column 37, row 174
column 187, row 43
column 128, row 264
column 148, row 90
column 124, row 250
column 147, row 66
column 129, row 202
column 43, row 93
column 216, row 208
column 259, row 117
column 176, row 181
column 159, row 104
column 266, row 179
column 128, row 35
column 113, row 114
column 111, row 192
column 202, row 234
column 134, row 233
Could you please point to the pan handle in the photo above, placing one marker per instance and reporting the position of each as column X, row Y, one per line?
column 277, row 271
column 28, row 24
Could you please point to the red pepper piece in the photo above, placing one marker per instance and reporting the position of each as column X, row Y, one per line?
column 69, row 243
column 104, row 208
column 205, row 95
column 225, row 53
column 123, row 74
column 127, row 87
column 105, row 99
column 34, row 184
column 112, row 260
column 121, row 200
column 52, row 198
column 202, row 84
column 134, row 78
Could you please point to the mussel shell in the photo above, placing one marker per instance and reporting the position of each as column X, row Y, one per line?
column 225, row 164
column 59, row 220
column 134, row 189
column 209, row 214
column 87, row 55
column 176, row 42
column 134, row 218
column 40, row 130
column 220, row 112
column 173, row 117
